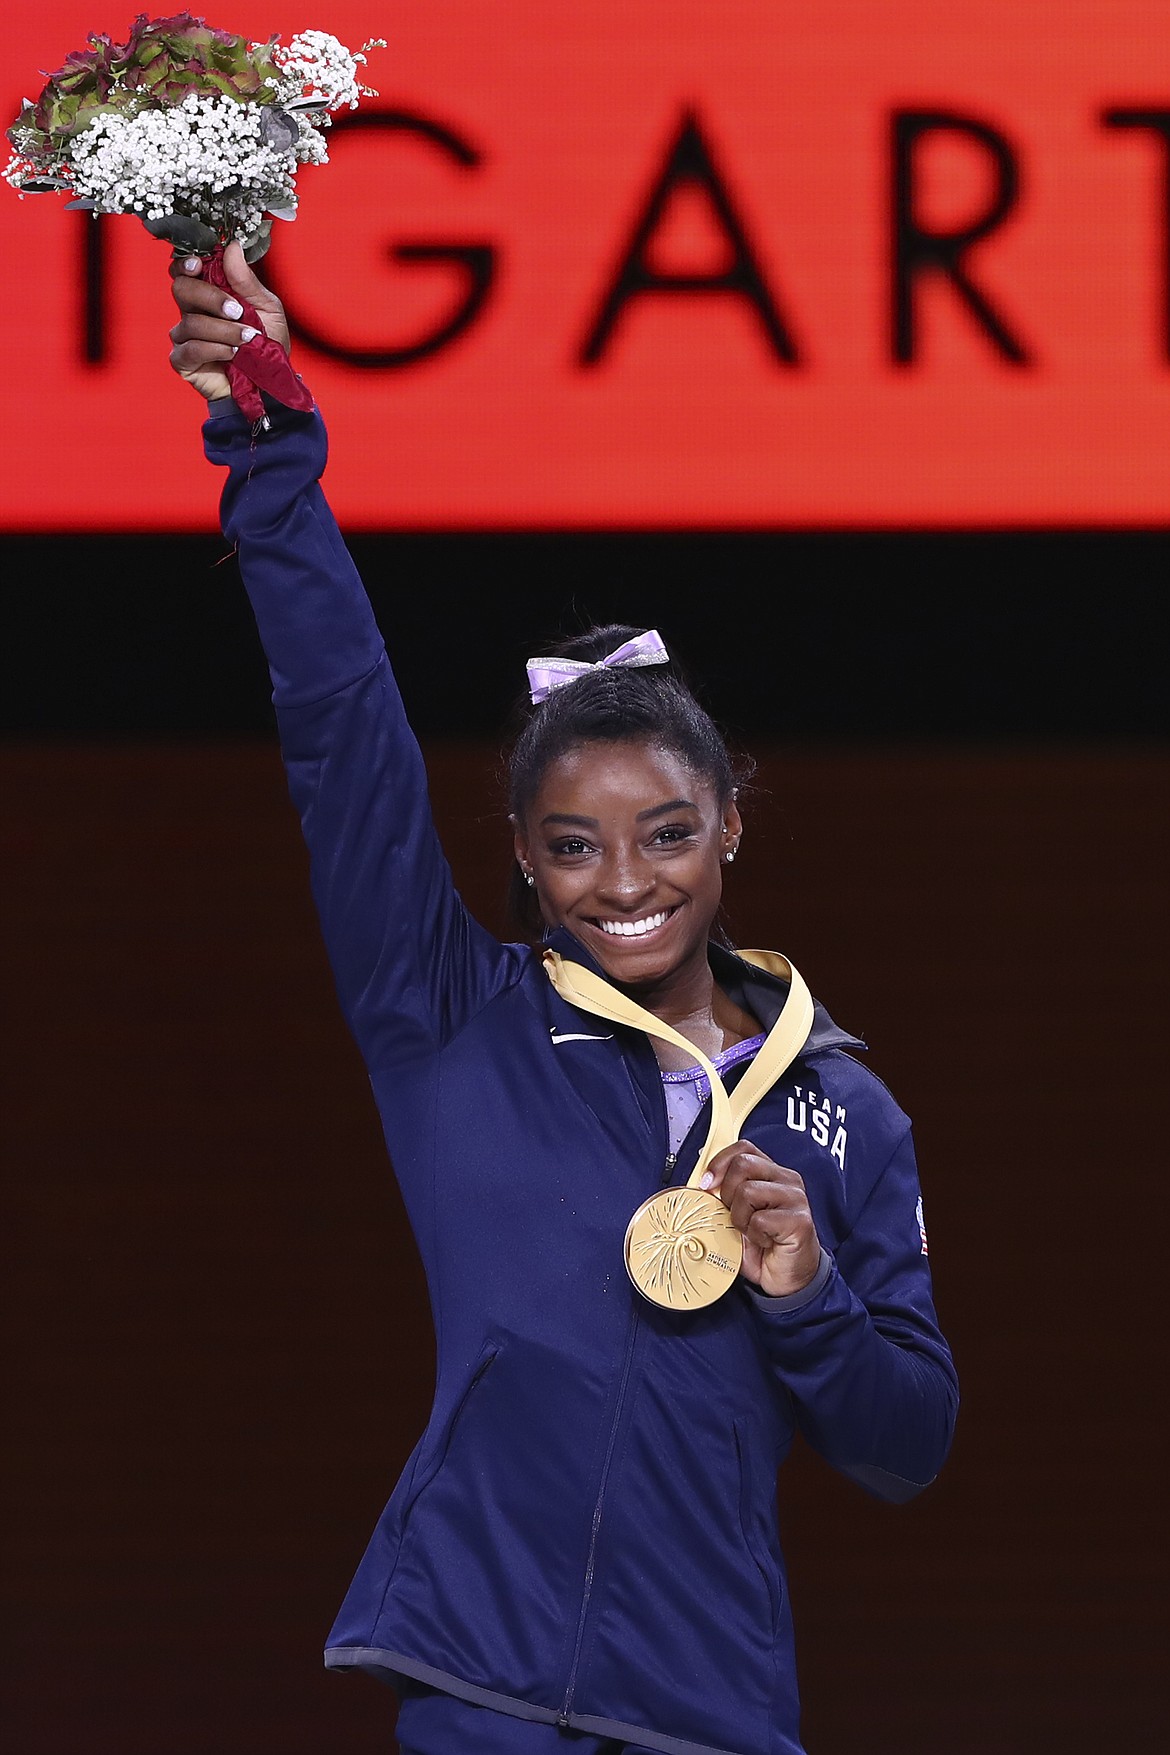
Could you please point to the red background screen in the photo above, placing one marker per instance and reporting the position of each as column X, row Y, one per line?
column 747, row 360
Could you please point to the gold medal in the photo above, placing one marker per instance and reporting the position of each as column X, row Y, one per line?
column 682, row 1250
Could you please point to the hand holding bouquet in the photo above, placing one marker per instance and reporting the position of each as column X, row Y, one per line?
column 198, row 132
column 222, row 318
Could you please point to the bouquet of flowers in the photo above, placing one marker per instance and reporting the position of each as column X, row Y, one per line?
column 197, row 131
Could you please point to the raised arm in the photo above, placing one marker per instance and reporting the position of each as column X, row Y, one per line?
column 411, row 965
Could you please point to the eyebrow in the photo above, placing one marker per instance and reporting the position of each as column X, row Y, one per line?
column 643, row 816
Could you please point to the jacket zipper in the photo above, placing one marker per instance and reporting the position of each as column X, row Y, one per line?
column 587, row 1588
column 563, row 1717
column 595, row 1530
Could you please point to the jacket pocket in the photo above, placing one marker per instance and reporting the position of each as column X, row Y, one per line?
column 751, row 1516
column 488, row 1355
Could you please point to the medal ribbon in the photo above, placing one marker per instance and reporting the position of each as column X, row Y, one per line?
column 784, row 1042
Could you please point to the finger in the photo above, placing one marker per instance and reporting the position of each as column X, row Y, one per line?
column 241, row 279
column 787, row 1204
column 792, row 1256
column 767, row 1191
column 186, row 265
column 200, row 295
column 197, row 356
column 721, row 1166
column 773, row 1236
column 196, row 327
column 766, row 1224
column 728, row 1167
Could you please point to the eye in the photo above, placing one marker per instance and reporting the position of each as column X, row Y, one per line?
column 571, row 847
column 670, row 834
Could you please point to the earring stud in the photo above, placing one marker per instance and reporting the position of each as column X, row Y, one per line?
column 529, row 879
column 729, row 856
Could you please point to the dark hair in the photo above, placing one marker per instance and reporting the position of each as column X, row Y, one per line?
column 650, row 704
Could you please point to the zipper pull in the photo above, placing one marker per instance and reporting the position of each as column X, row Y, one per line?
column 668, row 1167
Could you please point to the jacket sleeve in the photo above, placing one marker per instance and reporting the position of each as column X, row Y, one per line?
column 411, row 965
column 859, row 1350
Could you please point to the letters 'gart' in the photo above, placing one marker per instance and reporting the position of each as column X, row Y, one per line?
column 900, row 262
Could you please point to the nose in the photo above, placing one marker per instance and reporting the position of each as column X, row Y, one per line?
column 626, row 878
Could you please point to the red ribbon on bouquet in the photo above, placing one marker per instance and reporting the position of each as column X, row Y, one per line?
column 257, row 365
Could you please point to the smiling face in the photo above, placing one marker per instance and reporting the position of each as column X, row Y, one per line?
column 626, row 845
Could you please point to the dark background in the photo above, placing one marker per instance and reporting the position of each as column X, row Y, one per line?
column 218, row 1344
column 860, row 636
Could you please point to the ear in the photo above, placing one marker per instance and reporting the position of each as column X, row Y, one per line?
column 519, row 842
column 732, row 824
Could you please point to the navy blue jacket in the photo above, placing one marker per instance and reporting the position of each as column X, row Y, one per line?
column 586, row 1531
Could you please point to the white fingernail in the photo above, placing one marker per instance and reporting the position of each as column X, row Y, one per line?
column 192, row 264
column 706, row 1179
column 247, row 334
column 232, row 308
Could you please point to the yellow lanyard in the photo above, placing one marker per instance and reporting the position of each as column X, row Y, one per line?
column 784, row 1042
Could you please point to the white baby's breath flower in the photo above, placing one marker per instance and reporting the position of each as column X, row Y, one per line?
column 314, row 64
column 223, row 161
column 206, row 158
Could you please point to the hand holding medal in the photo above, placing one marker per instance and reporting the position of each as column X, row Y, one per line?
column 768, row 1206
column 685, row 1247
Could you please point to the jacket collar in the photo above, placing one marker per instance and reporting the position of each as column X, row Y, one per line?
column 757, row 991
column 763, row 995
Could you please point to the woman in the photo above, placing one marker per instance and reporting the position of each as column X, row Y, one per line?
column 582, row 1551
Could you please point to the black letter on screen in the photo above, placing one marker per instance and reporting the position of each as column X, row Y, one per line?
column 91, row 237
column 475, row 263
column 917, row 252
column 689, row 160
column 1158, row 123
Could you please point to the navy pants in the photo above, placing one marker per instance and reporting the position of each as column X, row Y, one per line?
column 433, row 1723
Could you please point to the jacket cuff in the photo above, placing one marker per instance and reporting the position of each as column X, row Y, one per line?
column 223, row 412
column 787, row 1302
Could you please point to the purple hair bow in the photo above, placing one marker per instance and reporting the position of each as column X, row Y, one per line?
column 547, row 674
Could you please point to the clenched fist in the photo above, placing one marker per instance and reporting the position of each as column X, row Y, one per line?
column 209, row 330
column 768, row 1204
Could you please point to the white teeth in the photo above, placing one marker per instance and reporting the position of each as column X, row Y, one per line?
column 633, row 928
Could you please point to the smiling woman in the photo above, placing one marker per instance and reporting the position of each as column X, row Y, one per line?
column 624, row 805
column 582, row 1553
